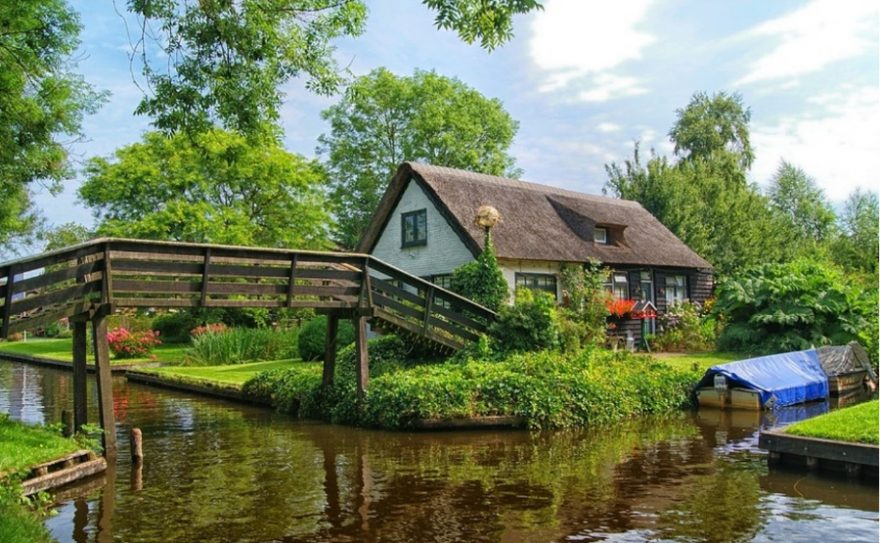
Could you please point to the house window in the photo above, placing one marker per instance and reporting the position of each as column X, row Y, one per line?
column 646, row 285
column 600, row 235
column 618, row 285
column 676, row 289
column 414, row 228
column 443, row 280
column 537, row 281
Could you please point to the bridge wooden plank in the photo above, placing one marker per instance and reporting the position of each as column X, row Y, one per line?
column 160, row 267
column 460, row 318
column 416, row 330
column 387, row 303
column 57, row 276
column 72, row 293
column 421, row 284
column 387, row 288
column 453, row 329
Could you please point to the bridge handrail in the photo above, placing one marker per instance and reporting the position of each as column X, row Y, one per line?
column 143, row 273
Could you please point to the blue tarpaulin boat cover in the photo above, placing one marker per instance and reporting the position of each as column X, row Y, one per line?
column 781, row 379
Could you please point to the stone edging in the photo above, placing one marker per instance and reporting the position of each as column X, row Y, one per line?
column 56, row 364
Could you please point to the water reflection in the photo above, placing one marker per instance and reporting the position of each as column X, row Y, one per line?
column 220, row 472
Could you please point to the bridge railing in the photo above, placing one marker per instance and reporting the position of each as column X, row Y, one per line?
column 119, row 273
column 423, row 309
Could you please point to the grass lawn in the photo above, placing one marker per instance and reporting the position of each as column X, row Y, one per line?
column 22, row 445
column 61, row 350
column 703, row 361
column 233, row 374
column 857, row 424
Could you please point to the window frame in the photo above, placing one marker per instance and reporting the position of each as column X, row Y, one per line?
column 604, row 240
column 420, row 238
column 670, row 300
column 611, row 284
column 533, row 275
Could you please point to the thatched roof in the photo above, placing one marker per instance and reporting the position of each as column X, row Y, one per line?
column 539, row 222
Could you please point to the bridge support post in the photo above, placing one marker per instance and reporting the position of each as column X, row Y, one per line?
column 105, row 384
column 363, row 359
column 330, row 350
column 80, row 397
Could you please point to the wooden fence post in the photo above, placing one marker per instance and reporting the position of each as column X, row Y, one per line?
column 80, row 395
column 330, row 350
column 363, row 360
column 105, row 384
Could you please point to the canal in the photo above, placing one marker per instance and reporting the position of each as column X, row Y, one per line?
column 217, row 471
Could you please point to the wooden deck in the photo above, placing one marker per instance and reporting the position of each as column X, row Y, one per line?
column 854, row 459
column 90, row 281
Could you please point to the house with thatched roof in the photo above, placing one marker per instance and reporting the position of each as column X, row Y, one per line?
column 425, row 225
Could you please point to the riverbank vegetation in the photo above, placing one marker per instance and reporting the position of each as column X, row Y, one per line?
column 232, row 374
column 61, row 350
column 856, row 424
column 548, row 389
column 22, row 446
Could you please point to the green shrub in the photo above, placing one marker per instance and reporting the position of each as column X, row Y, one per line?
column 313, row 337
column 683, row 327
column 240, row 345
column 549, row 389
column 584, row 315
column 175, row 327
column 793, row 306
column 530, row 324
column 19, row 524
column 481, row 280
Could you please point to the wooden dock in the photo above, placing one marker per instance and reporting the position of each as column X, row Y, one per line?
column 854, row 459
column 61, row 471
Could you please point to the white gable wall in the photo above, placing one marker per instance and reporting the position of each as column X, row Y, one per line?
column 444, row 251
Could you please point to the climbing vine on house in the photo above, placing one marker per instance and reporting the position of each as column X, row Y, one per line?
column 481, row 280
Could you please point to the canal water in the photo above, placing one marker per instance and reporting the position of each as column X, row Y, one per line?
column 218, row 472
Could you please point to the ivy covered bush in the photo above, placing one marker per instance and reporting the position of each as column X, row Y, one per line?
column 685, row 327
column 794, row 306
column 481, row 280
column 530, row 324
column 584, row 312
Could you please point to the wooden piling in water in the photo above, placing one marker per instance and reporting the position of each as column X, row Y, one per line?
column 136, row 438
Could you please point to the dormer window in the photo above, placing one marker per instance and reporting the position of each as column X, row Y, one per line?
column 600, row 235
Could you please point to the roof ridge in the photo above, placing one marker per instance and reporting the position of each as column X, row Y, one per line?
column 522, row 185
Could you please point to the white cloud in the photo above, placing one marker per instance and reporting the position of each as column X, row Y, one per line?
column 810, row 38
column 606, row 127
column 839, row 146
column 572, row 39
column 608, row 86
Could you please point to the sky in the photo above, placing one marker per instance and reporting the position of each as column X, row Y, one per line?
column 585, row 80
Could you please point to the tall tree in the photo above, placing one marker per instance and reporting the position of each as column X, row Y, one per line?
column 705, row 198
column 857, row 247
column 216, row 186
column 801, row 205
column 712, row 124
column 42, row 103
column 222, row 62
column 383, row 120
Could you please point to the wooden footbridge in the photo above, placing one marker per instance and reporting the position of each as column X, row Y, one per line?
column 88, row 282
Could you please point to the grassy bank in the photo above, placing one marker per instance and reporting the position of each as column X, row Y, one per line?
column 697, row 361
column 233, row 374
column 61, row 350
column 856, row 424
column 22, row 446
column 548, row 389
